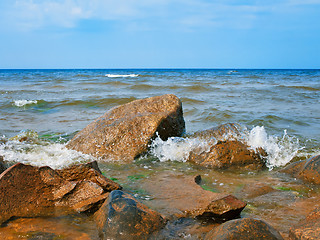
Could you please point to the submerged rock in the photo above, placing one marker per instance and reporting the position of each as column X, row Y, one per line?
column 124, row 132
column 229, row 155
column 244, row 229
column 307, row 170
column 123, row 217
column 308, row 228
column 28, row 191
column 180, row 196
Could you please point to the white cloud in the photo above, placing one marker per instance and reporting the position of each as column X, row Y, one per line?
column 187, row 14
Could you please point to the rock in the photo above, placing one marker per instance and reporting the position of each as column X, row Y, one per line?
column 256, row 189
column 229, row 155
column 181, row 196
column 123, row 217
column 308, row 228
column 221, row 133
column 307, row 170
column 124, row 132
column 2, row 165
column 37, row 191
column 23, row 193
column 244, row 229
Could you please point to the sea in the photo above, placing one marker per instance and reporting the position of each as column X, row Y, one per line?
column 277, row 110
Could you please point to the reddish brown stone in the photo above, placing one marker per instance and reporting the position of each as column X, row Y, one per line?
column 27, row 191
column 124, row 132
column 228, row 155
column 308, row 228
column 307, row 170
column 244, row 229
column 123, row 217
column 179, row 195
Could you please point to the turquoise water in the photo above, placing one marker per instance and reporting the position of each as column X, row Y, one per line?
column 55, row 104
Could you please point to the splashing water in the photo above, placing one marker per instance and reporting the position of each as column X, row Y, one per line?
column 54, row 155
column 176, row 148
column 280, row 150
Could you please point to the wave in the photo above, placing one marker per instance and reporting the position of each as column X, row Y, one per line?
column 22, row 103
column 307, row 88
column 121, row 75
column 280, row 150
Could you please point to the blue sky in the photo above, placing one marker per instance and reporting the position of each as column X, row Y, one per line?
column 159, row 34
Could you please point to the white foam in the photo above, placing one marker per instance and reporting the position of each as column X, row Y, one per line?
column 54, row 155
column 280, row 150
column 121, row 75
column 21, row 103
column 176, row 148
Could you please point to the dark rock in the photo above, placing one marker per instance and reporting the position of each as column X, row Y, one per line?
column 124, row 132
column 27, row 191
column 123, row 217
column 244, row 229
column 2, row 165
column 181, row 196
column 307, row 170
column 308, row 228
column 229, row 155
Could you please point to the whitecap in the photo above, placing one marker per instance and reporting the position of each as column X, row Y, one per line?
column 21, row 103
column 121, row 75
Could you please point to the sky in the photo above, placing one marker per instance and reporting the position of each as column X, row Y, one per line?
column 159, row 34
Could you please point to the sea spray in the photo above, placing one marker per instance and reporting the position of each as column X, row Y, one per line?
column 177, row 148
column 280, row 150
column 54, row 155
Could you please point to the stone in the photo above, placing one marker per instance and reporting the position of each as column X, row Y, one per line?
column 125, row 132
column 307, row 170
column 253, row 190
column 244, row 229
column 308, row 228
column 180, row 196
column 28, row 191
column 123, row 217
column 229, row 155
column 23, row 193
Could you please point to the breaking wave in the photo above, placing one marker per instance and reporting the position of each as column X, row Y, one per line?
column 280, row 150
column 22, row 103
column 121, row 75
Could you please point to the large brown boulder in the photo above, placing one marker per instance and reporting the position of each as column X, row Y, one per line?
column 28, row 191
column 244, row 229
column 123, row 217
column 180, row 196
column 124, row 132
column 228, row 155
column 307, row 170
column 308, row 228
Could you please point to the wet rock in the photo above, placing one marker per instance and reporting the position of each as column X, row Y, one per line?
column 23, row 193
column 244, row 229
column 221, row 133
column 37, row 191
column 229, row 155
column 124, row 132
column 123, row 217
column 254, row 190
column 308, row 228
column 307, row 170
column 180, row 196
column 2, row 165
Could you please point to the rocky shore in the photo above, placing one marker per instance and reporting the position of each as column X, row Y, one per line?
column 122, row 134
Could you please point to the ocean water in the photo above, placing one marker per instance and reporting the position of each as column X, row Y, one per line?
column 276, row 109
